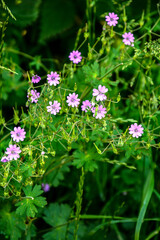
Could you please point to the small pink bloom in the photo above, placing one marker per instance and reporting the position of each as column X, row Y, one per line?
column 73, row 100
column 75, row 56
column 53, row 108
column 99, row 112
column 86, row 105
column 112, row 19
column 36, row 79
column 13, row 152
column 136, row 130
column 33, row 96
column 53, row 78
column 100, row 93
column 128, row 39
column 4, row 159
column 18, row 134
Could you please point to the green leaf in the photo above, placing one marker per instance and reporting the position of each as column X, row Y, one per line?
column 26, row 12
column 10, row 223
column 58, row 175
column 27, row 206
column 57, row 216
column 92, row 73
column 147, row 193
column 86, row 159
column 57, row 16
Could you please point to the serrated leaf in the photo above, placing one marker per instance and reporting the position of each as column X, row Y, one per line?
column 57, row 16
column 27, row 206
column 87, row 160
column 56, row 215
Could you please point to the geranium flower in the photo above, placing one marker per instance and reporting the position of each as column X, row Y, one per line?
column 100, row 93
column 99, row 112
column 33, row 97
column 136, row 130
column 86, row 105
column 54, row 108
column 53, row 78
column 13, row 152
column 112, row 19
column 73, row 100
column 128, row 39
column 75, row 56
column 36, row 79
column 18, row 134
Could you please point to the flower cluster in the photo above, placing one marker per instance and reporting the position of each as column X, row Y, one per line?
column 111, row 20
column 33, row 96
column 98, row 111
column 12, row 152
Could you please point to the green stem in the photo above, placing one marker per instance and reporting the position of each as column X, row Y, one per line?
column 110, row 71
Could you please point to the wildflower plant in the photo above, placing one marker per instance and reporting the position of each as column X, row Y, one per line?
column 85, row 117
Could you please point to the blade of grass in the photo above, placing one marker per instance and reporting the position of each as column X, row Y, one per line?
column 147, row 193
column 153, row 234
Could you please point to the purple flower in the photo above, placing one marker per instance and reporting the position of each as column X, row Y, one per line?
column 99, row 112
column 53, row 78
column 36, row 79
column 136, row 130
column 100, row 93
column 18, row 134
column 112, row 19
column 33, row 96
column 73, row 100
column 86, row 105
column 128, row 39
column 45, row 187
column 13, row 152
column 75, row 56
column 54, row 108
column 4, row 159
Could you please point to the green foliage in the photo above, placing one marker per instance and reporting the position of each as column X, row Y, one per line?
column 28, row 205
column 7, row 9
column 152, row 48
column 147, row 193
column 86, row 159
column 25, row 12
column 11, row 224
column 56, row 216
column 56, row 176
column 57, row 16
